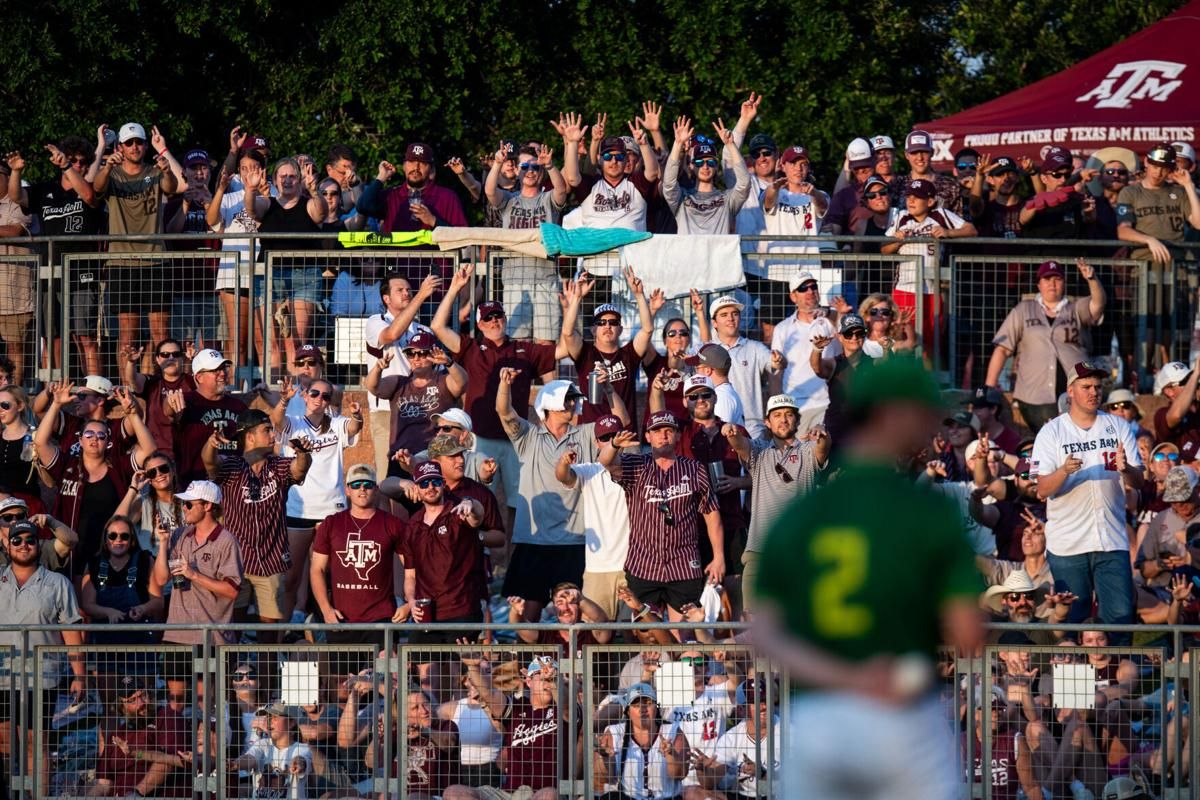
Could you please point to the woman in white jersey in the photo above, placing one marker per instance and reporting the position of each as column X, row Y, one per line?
column 322, row 493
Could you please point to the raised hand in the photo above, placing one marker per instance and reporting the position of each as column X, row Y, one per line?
column 439, row 356
column 657, row 300
column 236, row 139
column 1181, row 588
column 937, row 469
column 16, row 161
column 102, row 136
column 508, row 375
column 157, row 140
column 132, row 354
column 651, row 115
column 683, row 131
column 124, row 396
column 634, row 282
column 386, row 171
column 598, row 128
column 840, row 305
column 517, row 604
column 463, row 509
column 62, row 392
column 697, row 301
column 456, row 165
column 255, row 178
column 1121, row 459
column 1088, row 272
column 224, row 179
column 545, row 156
column 487, row 470
column 778, row 362
column 308, row 171
column 461, row 277
column 723, row 133
column 287, row 388
column 569, row 127
column 404, row 458
column 624, row 439
column 820, row 342
column 57, row 157
column 639, row 133
column 749, row 109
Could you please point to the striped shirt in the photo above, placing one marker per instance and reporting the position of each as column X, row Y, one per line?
column 772, row 492
column 659, row 551
column 254, row 508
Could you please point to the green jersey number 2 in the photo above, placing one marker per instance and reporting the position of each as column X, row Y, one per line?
column 839, row 559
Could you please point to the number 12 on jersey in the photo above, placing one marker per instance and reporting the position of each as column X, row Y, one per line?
column 839, row 559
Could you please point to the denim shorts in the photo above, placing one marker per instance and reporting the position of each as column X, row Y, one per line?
column 291, row 283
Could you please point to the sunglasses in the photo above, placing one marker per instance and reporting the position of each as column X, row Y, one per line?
column 190, row 504
column 334, row 193
column 1062, row 174
column 169, row 353
column 23, row 539
column 447, row 429
column 154, row 472
column 882, row 312
column 668, row 517
column 705, row 162
column 530, row 167
column 99, row 436
column 79, row 160
column 694, row 396
column 364, row 484
column 492, row 317
column 9, row 519
column 783, row 473
column 695, row 661
column 969, row 167
column 326, row 396
column 307, row 362
column 244, row 675
column 678, row 332
column 416, row 354
column 1019, row 597
column 762, row 151
column 1121, row 172
column 1166, row 456
column 618, row 157
column 134, row 142
column 6, row 405
column 808, row 287
column 119, row 537
column 435, row 483
column 1023, row 475
column 606, row 437
column 608, row 323
column 859, row 334
column 873, row 195
column 1124, row 405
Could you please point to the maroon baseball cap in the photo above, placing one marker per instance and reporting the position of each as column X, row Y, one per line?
column 422, row 340
column 419, row 151
column 922, row 188
column 703, row 150
column 255, row 142
column 612, row 144
column 427, row 469
column 662, row 419
column 608, row 425
column 918, row 141
column 1056, row 159
column 1050, row 269
column 309, row 351
column 1187, row 453
column 1085, row 369
column 490, row 307
column 795, row 153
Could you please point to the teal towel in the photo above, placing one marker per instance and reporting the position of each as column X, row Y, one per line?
column 586, row 241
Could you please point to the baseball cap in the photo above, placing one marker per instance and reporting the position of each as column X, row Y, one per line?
column 1184, row 150
column 639, row 690
column 752, row 691
column 131, row 130
column 1001, row 165
column 631, row 145
column 276, row 709
column 13, row 502
column 1085, row 369
column 965, row 418
column 1179, row 485
column 919, row 187
column 1057, row 159
column 421, row 340
column 874, row 180
column 194, row 157
column 859, row 154
column 881, row 142
column 488, row 307
column 851, row 322
column 611, row 144
column 703, row 150
column 1162, row 155
column 760, row 141
column 445, row 444
column 426, row 470
column 205, row 491
column 538, row 662
column 251, row 418
column 512, row 148
column 128, row 686
column 207, row 360
column 988, row 396
column 1187, row 453
column 801, row 278
column 724, row 301
column 98, row 385
column 419, row 151
column 966, row 151
column 1123, row 788
column 606, row 308
column 255, row 142
column 1171, row 374
column 23, row 526
column 697, row 382
column 1050, row 269
column 711, row 355
column 454, row 416
column 781, row 401
column 897, row 379
column 918, row 141
column 662, row 419
column 309, row 351
column 609, row 423
column 794, row 153
column 361, row 472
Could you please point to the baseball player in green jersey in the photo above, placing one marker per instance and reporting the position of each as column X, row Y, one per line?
column 860, row 583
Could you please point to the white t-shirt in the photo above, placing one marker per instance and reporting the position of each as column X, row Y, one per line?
column 322, row 492
column 605, row 519
column 478, row 740
column 736, row 746
column 793, row 338
column 375, row 325
column 906, row 275
column 272, row 775
column 729, row 405
column 234, row 219
column 1088, row 513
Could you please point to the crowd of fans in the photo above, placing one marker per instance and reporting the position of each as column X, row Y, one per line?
column 498, row 486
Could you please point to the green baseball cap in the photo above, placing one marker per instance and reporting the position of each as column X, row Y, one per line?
column 896, row 379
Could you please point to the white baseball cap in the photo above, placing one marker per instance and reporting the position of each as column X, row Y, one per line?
column 208, row 359
column 698, row 382
column 1185, row 150
column 205, row 491
column 454, row 416
column 882, row 143
column 801, row 278
column 1172, row 373
column 859, row 154
column 781, row 401
column 724, row 301
column 131, row 130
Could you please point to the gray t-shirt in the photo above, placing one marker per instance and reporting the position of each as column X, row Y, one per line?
column 520, row 212
column 549, row 513
column 1160, row 542
column 710, row 213
column 772, row 492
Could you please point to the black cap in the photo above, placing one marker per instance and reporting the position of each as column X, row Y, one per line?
column 128, row 686
column 760, row 140
column 251, row 418
column 988, row 396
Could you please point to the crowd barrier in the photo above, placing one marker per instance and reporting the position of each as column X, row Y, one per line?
column 1057, row 718
column 90, row 304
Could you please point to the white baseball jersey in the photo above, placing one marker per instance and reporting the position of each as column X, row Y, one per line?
column 322, row 492
column 906, row 274
column 702, row 723
column 1088, row 513
column 736, row 746
column 794, row 215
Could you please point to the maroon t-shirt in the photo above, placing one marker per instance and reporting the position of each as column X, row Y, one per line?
column 165, row 731
column 622, row 373
column 412, row 407
column 531, row 745
column 673, row 394
column 429, row 769
column 448, row 558
column 694, row 442
column 1187, row 430
column 482, row 359
column 199, row 419
column 154, row 392
column 360, row 563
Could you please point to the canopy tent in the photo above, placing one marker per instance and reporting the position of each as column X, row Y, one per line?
column 1135, row 94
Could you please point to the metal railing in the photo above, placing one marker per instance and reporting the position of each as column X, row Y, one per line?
column 206, row 287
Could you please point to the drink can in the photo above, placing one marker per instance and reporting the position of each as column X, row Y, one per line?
column 425, row 605
column 595, row 389
column 716, row 470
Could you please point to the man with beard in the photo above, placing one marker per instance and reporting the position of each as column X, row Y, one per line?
column 140, row 725
column 419, row 204
column 996, row 213
column 199, row 413
column 1018, row 599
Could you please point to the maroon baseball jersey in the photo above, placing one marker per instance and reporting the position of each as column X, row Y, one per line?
column 255, row 505
column 531, row 742
column 482, row 359
column 361, row 563
column 665, row 508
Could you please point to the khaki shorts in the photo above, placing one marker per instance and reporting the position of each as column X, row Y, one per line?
column 749, row 576
column 492, row 793
column 601, row 589
column 268, row 593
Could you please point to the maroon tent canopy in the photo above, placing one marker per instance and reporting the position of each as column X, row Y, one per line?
column 1137, row 93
